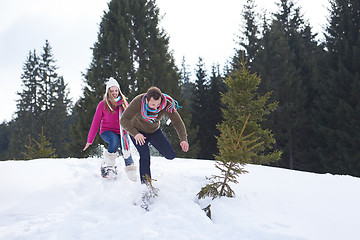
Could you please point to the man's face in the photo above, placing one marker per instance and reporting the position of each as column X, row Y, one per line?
column 153, row 104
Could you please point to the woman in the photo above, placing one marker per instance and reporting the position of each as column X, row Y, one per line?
column 142, row 120
column 107, row 115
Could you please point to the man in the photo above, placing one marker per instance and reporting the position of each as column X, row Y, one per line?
column 141, row 120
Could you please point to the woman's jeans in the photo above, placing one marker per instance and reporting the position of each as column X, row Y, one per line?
column 113, row 140
column 161, row 143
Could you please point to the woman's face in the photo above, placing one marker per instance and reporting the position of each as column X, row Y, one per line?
column 153, row 104
column 114, row 91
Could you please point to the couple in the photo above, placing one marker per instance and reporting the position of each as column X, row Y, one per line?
column 141, row 120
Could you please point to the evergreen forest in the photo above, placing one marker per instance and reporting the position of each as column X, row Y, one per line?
column 300, row 91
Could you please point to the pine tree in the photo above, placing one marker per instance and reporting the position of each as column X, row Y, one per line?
column 188, row 89
column 236, row 150
column 41, row 148
column 285, row 81
column 55, row 101
column 43, row 102
column 249, row 39
column 48, row 77
column 132, row 49
column 241, row 141
column 28, row 104
column 337, row 103
column 206, row 109
column 241, row 100
column 287, row 62
column 200, row 109
column 4, row 140
column 28, row 107
column 60, row 118
column 214, row 114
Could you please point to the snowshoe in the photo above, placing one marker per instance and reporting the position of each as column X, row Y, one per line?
column 109, row 172
column 148, row 195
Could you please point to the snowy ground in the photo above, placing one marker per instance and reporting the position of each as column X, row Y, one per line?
column 66, row 199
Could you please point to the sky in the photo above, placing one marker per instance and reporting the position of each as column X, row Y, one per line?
column 197, row 28
column 68, row 199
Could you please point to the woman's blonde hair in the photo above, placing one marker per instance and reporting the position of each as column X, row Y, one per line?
column 111, row 105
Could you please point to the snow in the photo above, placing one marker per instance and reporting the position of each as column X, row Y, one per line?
column 68, row 199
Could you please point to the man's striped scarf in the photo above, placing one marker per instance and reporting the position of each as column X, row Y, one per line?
column 151, row 114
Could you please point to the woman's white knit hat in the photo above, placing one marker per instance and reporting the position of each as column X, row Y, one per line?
column 112, row 83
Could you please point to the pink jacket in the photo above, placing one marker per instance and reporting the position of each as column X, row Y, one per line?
column 106, row 120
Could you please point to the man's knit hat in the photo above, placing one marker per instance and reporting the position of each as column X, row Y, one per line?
column 112, row 83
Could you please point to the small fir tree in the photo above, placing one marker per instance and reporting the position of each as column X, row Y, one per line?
column 253, row 145
column 235, row 150
column 41, row 148
column 242, row 99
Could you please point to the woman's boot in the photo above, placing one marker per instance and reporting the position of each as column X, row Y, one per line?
column 108, row 165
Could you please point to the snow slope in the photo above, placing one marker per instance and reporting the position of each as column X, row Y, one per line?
column 67, row 199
